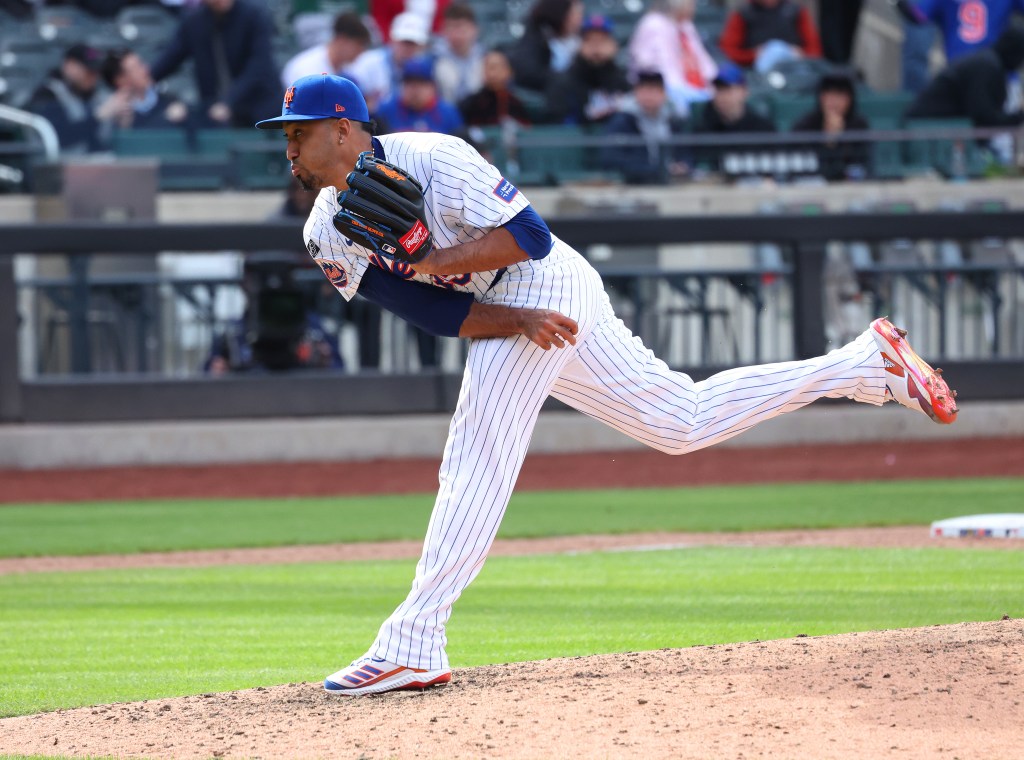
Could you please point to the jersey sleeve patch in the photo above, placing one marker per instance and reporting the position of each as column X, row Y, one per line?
column 335, row 272
column 505, row 190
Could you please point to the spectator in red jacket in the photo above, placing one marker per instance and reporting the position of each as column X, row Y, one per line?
column 767, row 32
column 385, row 11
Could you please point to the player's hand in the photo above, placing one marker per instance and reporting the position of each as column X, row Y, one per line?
column 548, row 328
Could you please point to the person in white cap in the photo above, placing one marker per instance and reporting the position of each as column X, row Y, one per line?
column 378, row 72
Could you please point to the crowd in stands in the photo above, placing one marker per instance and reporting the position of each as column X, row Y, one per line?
column 430, row 67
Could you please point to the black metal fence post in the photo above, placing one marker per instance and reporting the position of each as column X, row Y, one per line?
column 10, row 381
column 808, row 299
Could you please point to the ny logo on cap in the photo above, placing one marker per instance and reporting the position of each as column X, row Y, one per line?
column 289, row 96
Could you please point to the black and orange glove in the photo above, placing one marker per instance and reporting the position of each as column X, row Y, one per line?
column 383, row 210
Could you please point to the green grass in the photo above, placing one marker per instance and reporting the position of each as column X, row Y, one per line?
column 83, row 638
column 125, row 527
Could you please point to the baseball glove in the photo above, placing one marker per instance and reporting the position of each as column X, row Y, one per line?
column 383, row 211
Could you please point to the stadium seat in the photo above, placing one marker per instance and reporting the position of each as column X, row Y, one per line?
column 886, row 156
column 550, row 154
column 876, row 106
column 65, row 25
column 159, row 143
column 145, row 22
column 256, row 166
column 18, row 84
column 951, row 158
column 220, row 142
column 786, row 109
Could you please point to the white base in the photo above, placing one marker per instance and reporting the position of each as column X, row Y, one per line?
column 980, row 526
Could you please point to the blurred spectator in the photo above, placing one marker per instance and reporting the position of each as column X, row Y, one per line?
column 69, row 98
column 459, row 58
column 975, row 87
column 835, row 114
column 385, row 12
column 966, row 26
column 135, row 102
column 494, row 104
column 378, row 72
column 351, row 39
column 19, row 9
column 649, row 114
column 417, row 107
column 667, row 41
column 548, row 44
column 728, row 113
column 230, row 43
column 838, row 20
column 594, row 85
column 765, row 33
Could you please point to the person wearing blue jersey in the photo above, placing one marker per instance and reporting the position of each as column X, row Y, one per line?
column 417, row 106
column 965, row 25
column 540, row 325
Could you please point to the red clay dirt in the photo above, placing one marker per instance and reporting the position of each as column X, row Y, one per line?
column 985, row 457
column 941, row 692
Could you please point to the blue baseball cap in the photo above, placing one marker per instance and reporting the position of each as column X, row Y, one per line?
column 597, row 22
column 729, row 75
column 421, row 68
column 320, row 96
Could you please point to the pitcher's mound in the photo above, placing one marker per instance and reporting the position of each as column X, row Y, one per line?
column 943, row 691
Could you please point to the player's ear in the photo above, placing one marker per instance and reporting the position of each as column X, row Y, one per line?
column 343, row 130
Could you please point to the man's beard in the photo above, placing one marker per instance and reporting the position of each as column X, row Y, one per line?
column 313, row 184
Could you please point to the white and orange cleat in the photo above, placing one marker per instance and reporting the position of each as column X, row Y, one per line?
column 910, row 380
column 372, row 676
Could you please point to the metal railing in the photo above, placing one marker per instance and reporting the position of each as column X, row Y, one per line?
column 738, row 306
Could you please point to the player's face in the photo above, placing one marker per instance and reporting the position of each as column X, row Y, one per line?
column 312, row 150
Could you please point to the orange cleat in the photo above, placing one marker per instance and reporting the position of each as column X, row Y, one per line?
column 910, row 380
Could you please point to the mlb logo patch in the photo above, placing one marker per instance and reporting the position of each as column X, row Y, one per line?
column 505, row 190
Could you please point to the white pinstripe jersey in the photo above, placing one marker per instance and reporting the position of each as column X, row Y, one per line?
column 465, row 197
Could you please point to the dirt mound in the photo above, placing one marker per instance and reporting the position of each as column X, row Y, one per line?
column 943, row 691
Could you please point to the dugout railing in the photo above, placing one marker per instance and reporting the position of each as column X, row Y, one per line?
column 993, row 368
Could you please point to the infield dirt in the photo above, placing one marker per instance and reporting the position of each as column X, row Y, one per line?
column 945, row 691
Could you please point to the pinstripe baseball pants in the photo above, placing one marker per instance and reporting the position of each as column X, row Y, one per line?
column 609, row 375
